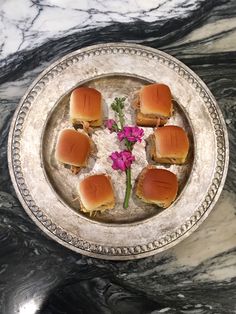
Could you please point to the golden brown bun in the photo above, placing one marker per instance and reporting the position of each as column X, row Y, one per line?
column 145, row 120
column 155, row 99
column 73, row 147
column 96, row 193
column 170, row 144
column 86, row 106
column 157, row 186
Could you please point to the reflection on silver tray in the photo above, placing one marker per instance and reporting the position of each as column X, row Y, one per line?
column 47, row 190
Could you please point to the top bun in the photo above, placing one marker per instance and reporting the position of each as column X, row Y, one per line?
column 170, row 145
column 156, row 100
column 85, row 106
column 157, row 186
column 96, row 193
column 73, row 147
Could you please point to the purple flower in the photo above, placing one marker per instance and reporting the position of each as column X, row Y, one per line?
column 131, row 133
column 122, row 160
column 111, row 125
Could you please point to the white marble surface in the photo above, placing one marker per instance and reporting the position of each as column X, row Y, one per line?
column 48, row 20
column 196, row 276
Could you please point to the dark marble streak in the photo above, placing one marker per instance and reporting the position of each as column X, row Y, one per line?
column 7, row 110
column 218, row 71
column 33, row 267
column 98, row 295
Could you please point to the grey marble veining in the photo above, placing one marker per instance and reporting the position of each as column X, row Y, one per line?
column 38, row 275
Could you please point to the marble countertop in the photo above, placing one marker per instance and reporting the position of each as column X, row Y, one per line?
column 38, row 275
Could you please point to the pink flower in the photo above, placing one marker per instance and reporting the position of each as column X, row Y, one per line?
column 122, row 160
column 111, row 125
column 131, row 133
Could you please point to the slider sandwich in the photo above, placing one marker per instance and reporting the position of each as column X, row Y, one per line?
column 169, row 145
column 96, row 193
column 86, row 107
column 154, row 106
column 73, row 148
column 157, row 186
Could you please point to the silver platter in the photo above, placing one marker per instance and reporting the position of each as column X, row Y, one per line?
column 47, row 190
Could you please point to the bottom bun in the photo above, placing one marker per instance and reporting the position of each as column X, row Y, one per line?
column 151, row 121
column 94, row 123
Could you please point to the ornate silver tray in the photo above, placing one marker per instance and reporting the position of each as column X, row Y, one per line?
column 47, row 190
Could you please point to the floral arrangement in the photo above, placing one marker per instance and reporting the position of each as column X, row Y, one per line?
column 129, row 135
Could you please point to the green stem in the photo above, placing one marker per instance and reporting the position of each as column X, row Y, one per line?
column 129, row 145
column 128, row 188
column 121, row 118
